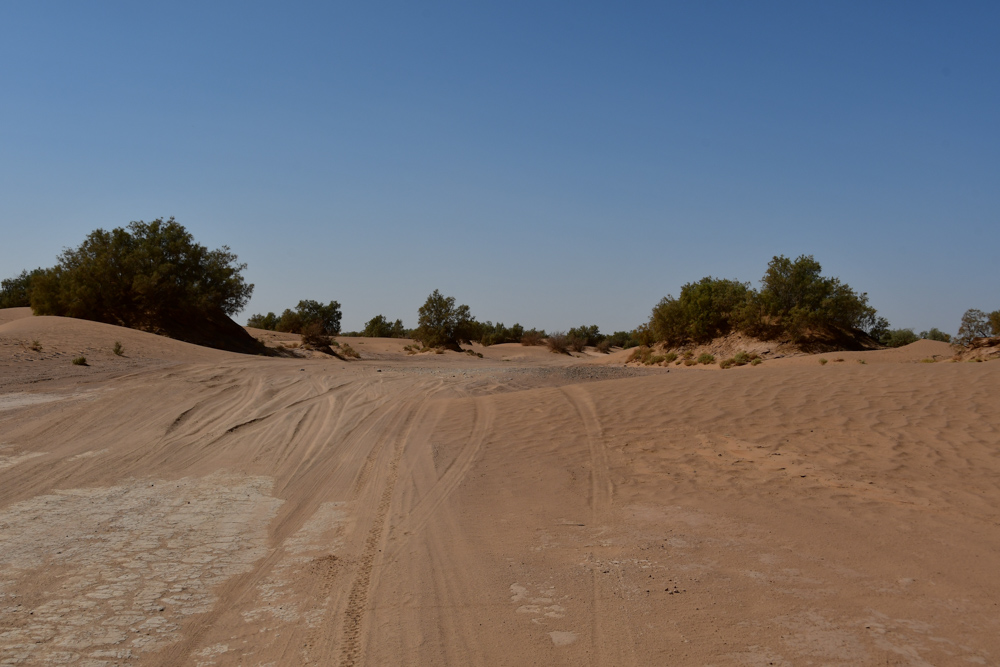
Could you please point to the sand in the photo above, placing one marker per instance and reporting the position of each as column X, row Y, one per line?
column 185, row 506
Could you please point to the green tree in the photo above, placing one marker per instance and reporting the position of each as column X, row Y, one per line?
column 327, row 316
column 795, row 297
column 380, row 327
column 994, row 319
column 898, row 337
column 16, row 292
column 258, row 321
column 975, row 324
column 443, row 324
column 706, row 309
column 147, row 276
column 936, row 334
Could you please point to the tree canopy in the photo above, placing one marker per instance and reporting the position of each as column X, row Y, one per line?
column 794, row 299
column 443, row 324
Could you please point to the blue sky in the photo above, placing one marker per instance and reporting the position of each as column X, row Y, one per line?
column 554, row 164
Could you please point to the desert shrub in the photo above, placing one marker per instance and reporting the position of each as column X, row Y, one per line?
column 670, row 357
column 148, row 276
column 898, row 337
column 641, row 354
column 314, row 336
column 117, row 349
column 443, row 324
column 533, row 337
column 936, row 334
column 706, row 358
column 623, row 339
column 80, row 361
column 823, row 362
column 258, row 321
column 690, row 362
column 975, row 324
column 744, row 358
column 36, row 345
column 16, row 292
column 473, row 353
column 380, row 327
column 604, row 347
column 726, row 363
column 928, row 361
column 994, row 319
column 757, row 362
column 688, row 354
column 589, row 335
column 862, row 362
column 576, row 344
column 349, row 352
column 557, row 342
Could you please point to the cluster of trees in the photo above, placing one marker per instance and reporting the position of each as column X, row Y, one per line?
column 901, row 337
column 308, row 314
column 794, row 300
column 16, row 292
column 380, row 327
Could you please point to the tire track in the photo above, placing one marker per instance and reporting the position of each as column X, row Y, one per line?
column 601, row 499
column 356, row 609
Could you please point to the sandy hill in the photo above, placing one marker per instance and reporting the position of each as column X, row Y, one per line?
column 181, row 505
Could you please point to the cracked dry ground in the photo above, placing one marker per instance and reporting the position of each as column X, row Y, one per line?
column 273, row 512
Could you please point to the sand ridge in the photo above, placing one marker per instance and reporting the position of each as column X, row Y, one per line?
column 207, row 508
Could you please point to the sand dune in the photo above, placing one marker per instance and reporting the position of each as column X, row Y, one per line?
column 189, row 506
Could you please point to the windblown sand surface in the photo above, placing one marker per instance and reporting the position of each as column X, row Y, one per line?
column 183, row 506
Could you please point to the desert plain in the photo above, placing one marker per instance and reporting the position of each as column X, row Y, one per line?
column 178, row 505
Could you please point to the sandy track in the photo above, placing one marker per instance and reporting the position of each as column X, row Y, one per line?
column 259, row 511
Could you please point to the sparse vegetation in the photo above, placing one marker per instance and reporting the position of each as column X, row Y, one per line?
column 117, row 349
column 348, row 352
column 473, row 353
column 822, row 361
column 604, row 347
column 705, row 358
column 314, row 337
column 36, row 345
column 739, row 359
column 80, row 361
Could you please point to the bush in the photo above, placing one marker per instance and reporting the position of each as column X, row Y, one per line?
column 623, row 339
column 670, row 357
column 823, row 362
column 533, row 337
column 349, row 352
column 706, row 358
column 443, row 324
column 149, row 276
column 315, row 337
column 36, row 345
column 118, row 350
column 935, row 334
column 898, row 337
column 557, row 342
column 583, row 336
column 604, row 347
column 80, row 361
column 380, row 327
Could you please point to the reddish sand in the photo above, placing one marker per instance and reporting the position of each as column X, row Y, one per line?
column 184, row 506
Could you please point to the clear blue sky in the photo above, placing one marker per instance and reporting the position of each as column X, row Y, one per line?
column 550, row 163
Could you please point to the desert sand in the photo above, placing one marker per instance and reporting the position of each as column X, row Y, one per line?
column 185, row 506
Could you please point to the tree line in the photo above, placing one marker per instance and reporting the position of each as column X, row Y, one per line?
column 154, row 276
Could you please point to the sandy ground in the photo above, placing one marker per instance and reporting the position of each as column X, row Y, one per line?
column 184, row 506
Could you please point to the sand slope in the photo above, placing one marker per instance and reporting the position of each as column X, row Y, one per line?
column 524, row 508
